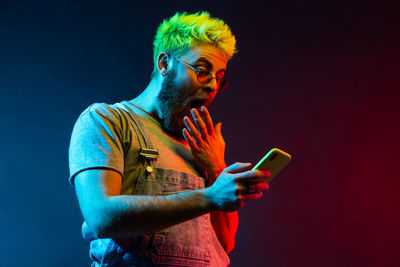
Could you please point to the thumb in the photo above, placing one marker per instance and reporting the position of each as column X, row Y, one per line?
column 238, row 167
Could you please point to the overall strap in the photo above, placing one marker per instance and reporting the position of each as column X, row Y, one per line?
column 147, row 151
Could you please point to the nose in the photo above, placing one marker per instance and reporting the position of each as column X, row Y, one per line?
column 212, row 85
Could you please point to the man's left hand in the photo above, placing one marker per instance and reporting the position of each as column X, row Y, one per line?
column 206, row 142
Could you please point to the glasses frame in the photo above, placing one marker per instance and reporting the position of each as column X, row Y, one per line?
column 222, row 83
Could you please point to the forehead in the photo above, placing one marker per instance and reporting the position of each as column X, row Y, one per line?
column 212, row 54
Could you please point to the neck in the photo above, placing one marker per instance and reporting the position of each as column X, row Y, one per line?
column 148, row 99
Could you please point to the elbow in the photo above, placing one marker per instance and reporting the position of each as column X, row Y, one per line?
column 105, row 227
column 100, row 224
column 101, row 231
column 92, row 229
column 108, row 224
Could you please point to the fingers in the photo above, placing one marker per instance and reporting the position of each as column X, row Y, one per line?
column 191, row 129
column 203, row 126
column 258, row 187
column 210, row 125
column 207, row 119
column 250, row 192
column 238, row 167
column 247, row 189
column 253, row 176
column 246, row 182
column 252, row 196
column 189, row 139
column 241, row 189
column 198, row 120
column 218, row 132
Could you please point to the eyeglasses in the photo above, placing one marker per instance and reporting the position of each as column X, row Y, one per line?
column 204, row 76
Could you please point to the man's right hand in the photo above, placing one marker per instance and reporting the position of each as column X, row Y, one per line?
column 236, row 184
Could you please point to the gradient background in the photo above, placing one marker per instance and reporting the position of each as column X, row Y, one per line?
column 318, row 79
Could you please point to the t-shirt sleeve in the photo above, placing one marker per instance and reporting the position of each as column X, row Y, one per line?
column 96, row 141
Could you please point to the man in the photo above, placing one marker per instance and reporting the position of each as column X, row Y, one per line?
column 149, row 173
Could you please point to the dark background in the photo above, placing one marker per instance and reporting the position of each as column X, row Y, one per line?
column 318, row 79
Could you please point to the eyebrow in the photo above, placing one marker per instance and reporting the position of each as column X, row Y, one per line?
column 205, row 60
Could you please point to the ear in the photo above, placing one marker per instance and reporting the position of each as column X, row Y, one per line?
column 162, row 62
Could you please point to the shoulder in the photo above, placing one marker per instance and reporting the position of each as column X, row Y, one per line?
column 111, row 113
column 101, row 109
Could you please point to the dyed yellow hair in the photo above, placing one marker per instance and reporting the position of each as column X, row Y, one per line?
column 183, row 31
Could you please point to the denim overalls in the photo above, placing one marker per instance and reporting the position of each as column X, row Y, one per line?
column 191, row 243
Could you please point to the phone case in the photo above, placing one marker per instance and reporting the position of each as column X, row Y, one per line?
column 273, row 162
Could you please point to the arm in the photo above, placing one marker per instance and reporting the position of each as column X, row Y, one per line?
column 225, row 225
column 110, row 215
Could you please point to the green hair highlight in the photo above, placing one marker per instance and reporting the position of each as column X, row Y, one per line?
column 178, row 34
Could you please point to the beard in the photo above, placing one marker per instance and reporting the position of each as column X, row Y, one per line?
column 173, row 105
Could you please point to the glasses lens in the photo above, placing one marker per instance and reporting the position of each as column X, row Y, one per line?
column 220, row 75
column 204, row 77
column 222, row 85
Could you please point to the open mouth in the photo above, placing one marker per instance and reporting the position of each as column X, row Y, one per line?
column 197, row 103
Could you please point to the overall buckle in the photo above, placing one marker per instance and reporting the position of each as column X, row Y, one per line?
column 149, row 154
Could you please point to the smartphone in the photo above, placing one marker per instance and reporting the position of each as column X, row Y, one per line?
column 273, row 162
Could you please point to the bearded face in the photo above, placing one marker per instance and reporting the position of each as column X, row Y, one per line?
column 181, row 91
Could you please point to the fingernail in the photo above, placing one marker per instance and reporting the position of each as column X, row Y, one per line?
column 185, row 120
column 202, row 108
